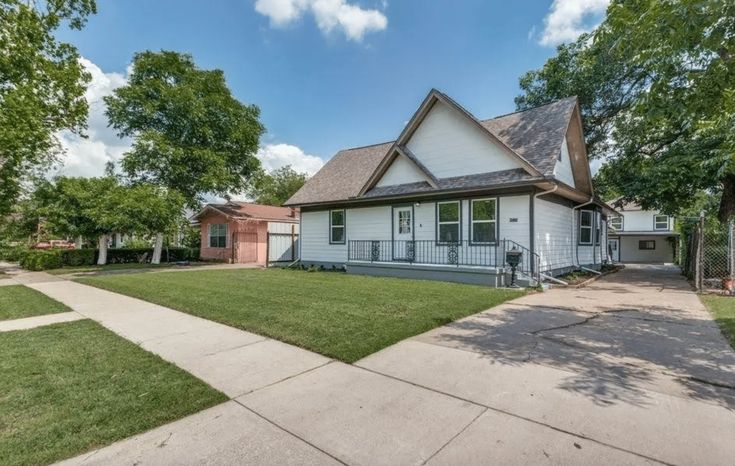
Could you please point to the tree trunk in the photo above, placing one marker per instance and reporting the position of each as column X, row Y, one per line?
column 78, row 242
column 156, row 259
column 102, row 257
column 727, row 202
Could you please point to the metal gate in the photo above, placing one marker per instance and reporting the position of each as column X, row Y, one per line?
column 244, row 247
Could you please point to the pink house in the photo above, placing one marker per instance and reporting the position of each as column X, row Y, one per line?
column 237, row 232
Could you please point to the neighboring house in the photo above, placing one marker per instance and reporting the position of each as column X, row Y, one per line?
column 638, row 235
column 237, row 232
column 452, row 194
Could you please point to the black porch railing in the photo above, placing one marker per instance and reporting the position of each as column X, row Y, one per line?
column 457, row 253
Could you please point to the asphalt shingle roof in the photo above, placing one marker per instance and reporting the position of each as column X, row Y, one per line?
column 535, row 134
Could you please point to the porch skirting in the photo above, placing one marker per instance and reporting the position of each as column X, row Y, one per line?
column 487, row 276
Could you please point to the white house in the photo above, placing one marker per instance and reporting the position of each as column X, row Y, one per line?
column 450, row 196
column 638, row 235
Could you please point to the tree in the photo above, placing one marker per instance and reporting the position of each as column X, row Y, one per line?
column 191, row 135
column 42, row 86
column 85, row 207
column 150, row 209
column 656, row 83
column 276, row 187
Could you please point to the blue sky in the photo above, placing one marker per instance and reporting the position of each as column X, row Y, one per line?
column 328, row 74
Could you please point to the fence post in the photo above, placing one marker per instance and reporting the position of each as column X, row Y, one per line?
column 699, row 256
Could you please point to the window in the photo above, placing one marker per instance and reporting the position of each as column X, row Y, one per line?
column 448, row 221
column 218, row 235
column 404, row 222
column 482, row 220
column 660, row 222
column 598, row 229
column 647, row 245
column 616, row 223
column 337, row 226
column 585, row 227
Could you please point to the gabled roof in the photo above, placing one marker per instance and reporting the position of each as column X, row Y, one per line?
column 250, row 211
column 533, row 137
column 536, row 134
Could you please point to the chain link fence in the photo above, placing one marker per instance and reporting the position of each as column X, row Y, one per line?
column 708, row 258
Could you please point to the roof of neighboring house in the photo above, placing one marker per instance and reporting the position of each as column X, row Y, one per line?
column 535, row 135
column 251, row 211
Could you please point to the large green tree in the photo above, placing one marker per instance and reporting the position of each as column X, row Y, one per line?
column 276, row 187
column 191, row 134
column 42, row 86
column 656, row 82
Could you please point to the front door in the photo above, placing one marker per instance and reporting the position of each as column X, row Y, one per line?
column 613, row 248
column 403, row 247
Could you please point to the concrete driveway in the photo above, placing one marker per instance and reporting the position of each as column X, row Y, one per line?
column 632, row 363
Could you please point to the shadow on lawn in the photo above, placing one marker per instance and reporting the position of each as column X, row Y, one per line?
column 615, row 353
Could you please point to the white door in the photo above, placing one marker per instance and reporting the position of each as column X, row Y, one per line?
column 613, row 247
column 403, row 248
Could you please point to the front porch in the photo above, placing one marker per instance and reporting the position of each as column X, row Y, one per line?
column 457, row 261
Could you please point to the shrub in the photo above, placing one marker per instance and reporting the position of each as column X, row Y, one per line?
column 41, row 260
column 77, row 257
column 13, row 253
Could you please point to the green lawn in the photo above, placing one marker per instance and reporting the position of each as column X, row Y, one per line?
column 346, row 317
column 723, row 308
column 72, row 387
column 18, row 301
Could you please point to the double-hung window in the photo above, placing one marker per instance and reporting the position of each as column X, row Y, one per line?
column 660, row 222
column 585, row 227
column 483, row 221
column 616, row 223
column 218, row 235
column 448, row 215
column 337, row 226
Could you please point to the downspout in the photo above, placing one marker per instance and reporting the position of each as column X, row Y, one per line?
column 574, row 222
column 533, row 222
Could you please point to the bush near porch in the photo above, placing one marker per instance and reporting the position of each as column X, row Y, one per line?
column 343, row 316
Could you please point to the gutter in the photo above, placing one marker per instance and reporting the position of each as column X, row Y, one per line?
column 574, row 217
column 533, row 220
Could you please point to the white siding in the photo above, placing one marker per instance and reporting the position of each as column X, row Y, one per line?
column 515, row 208
column 641, row 220
column 401, row 171
column 450, row 145
column 555, row 239
column 282, row 227
column 563, row 167
column 362, row 223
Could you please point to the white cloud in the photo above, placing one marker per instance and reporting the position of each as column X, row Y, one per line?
column 330, row 15
column 274, row 156
column 88, row 156
column 567, row 19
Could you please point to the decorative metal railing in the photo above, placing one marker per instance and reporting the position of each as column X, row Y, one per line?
column 457, row 253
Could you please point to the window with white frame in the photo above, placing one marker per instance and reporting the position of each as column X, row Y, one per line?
column 483, row 221
column 660, row 222
column 616, row 223
column 218, row 235
column 585, row 227
column 447, row 221
column 337, row 226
